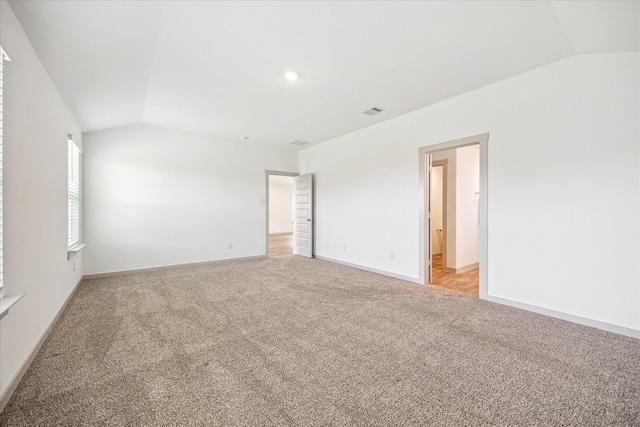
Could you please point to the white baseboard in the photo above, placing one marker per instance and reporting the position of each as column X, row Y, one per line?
column 461, row 269
column 373, row 270
column 540, row 310
column 622, row 330
column 168, row 267
column 13, row 383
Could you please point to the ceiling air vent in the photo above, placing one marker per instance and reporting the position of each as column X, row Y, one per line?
column 372, row 111
column 298, row 143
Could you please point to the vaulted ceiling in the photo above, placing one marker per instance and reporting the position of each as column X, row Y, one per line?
column 217, row 67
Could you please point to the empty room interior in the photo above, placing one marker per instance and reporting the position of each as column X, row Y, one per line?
column 319, row 213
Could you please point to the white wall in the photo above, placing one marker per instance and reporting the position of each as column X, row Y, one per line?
column 281, row 204
column 467, row 184
column 157, row 197
column 561, row 136
column 366, row 199
column 35, row 200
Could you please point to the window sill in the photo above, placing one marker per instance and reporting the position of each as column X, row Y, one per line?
column 74, row 250
column 6, row 302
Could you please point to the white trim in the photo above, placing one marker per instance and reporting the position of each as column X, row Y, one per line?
column 6, row 302
column 585, row 321
column 13, row 383
column 168, row 267
column 372, row 270
column 444, row 164
column 74, row 250
column 535, row 309
column 272, row 172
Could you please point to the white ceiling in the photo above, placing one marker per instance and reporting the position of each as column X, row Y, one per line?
column 217, row 67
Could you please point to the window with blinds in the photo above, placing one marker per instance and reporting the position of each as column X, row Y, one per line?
column 3, row 57
column 74, row 193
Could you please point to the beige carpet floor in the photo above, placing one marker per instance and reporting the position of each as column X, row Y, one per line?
column 292, row 341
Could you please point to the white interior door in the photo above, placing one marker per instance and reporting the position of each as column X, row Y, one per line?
column 303, row 215
column 428, row 216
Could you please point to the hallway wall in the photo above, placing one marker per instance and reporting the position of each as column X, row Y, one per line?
column 280, row 204
column 467, row 212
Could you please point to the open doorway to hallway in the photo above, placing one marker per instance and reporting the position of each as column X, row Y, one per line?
column 280, row 219
column 454, row 190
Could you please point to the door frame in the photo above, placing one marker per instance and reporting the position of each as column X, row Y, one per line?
column 267, row 174
column 443, row 245
column 424, row 193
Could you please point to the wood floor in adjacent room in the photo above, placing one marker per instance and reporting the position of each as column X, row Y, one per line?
column 280, row 244
column 467, row 281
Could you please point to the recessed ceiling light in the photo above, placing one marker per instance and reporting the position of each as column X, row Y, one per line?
column 290, row 75
column 244, row 137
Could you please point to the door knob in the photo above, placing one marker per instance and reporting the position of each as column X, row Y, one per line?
column 308, row 219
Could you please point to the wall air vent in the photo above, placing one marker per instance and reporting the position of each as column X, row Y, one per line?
column 298, row 143
column 374, row 110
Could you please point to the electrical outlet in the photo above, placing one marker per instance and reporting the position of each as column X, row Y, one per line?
column 393, row 256
column 230, row 246
column 344, row 247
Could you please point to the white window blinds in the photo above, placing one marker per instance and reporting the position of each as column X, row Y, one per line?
column 3, row 57
column 74, row 193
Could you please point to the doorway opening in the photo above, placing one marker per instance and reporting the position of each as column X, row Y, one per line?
column 454, row 218
column 280, row 210
column 453, row 179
